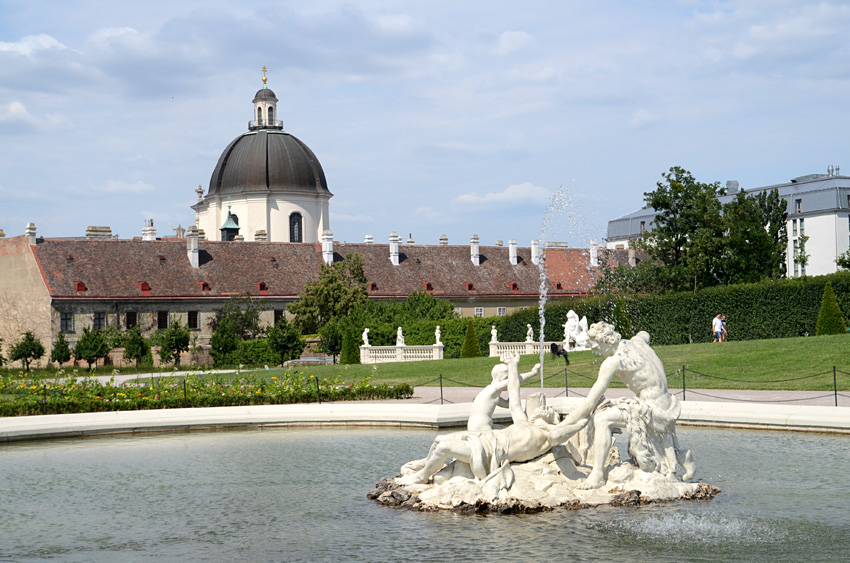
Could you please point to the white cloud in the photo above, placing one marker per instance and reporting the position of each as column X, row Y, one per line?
column 16, row 113
column 511, row 42
column 525, row 193
column 30, row 44
column 642, row 118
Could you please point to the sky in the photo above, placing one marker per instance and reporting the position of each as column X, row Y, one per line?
column 493, row 117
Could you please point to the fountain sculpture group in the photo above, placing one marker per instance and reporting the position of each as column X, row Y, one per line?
column 541, row 462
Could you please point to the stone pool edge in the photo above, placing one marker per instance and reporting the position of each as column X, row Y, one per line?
column 390, row 414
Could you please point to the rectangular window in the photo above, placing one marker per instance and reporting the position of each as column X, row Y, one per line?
column 479, row 312
column 66, row 322
column 798, row 205
column 796, row 269
column 193, row 320
column 162, row 320
column 802, row 269
column 642, row 227
column 131, row 319
column 802, row 227
column 794, row 227
column 99, row 321
column 501, row 311
column 278, row 313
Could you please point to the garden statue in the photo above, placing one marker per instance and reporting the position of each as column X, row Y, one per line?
column 493, row 334
column 575, row 332
column 399, row 337
column 366, row 337
column 649, row 418
column 437, row 336
column 541, row 461
column 529, row 334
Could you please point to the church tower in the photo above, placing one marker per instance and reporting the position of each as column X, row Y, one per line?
column 267, row 182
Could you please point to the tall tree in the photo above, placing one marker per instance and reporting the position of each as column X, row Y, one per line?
column 172, row 341
column 91, row 346
column 341, row 288
column 135, row 345
column 749, row 252
column 688, row 229
column 27, row 350
column 243, row 313
column 774, row 218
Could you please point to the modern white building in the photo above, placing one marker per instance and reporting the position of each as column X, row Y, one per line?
column 267, row 186
column 818, row 207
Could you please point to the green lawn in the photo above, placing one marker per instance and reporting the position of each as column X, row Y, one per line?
column 785, row 363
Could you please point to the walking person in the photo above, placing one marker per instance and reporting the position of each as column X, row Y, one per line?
column 723, row 332
column 717, row 327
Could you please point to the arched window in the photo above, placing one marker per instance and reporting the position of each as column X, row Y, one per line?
column 295, row 229
column 271, row 115
column 235, row 218
column 259, row 116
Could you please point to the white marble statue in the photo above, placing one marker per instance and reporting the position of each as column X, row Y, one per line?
column 575, row 332
column 399, row 337
column 529, row 334
column 494, row 335
column 437, row 336
column 649, row 418
column 366, row 337
column 488, row 455
column 538, row 461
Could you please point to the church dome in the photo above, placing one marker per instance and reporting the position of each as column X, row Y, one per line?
column 264, row 94
column 268, row 161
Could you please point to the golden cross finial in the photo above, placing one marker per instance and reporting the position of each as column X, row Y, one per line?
column 264, row 75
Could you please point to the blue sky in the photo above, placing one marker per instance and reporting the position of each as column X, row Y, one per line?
column 429, row 118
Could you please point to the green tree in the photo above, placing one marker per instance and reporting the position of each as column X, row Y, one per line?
column 243, row 313
column 830, row 319
column 470, row 347
column 688, row 230
column 224, row 341
column 285, row 340
column 91, row 347
column 773, row 212
column 341, row 288
column 135, row 345
column 350, row 351
column 61, row 352
column 422, row 306
column 27, row 350
column 331, row 339
column 172, row 341
column 801, row 257
column 749, row 251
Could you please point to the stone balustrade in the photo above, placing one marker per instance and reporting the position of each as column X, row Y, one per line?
column 498, row 349
column 385, row 354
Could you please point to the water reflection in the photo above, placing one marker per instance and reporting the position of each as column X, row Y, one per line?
column 269, row 495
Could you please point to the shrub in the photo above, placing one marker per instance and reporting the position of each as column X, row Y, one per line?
column 91, row 347
column 224, row 341
column 284, row 340
column 471, row 347
column 135, row 345
column 61, row 352
column 350, row 351
column 830, row 320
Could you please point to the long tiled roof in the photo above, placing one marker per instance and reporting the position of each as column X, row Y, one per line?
column 150, row 269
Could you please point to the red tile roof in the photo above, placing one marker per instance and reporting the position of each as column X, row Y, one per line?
column 161, row 268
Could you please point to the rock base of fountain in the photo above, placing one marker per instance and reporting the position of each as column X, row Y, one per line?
column 546, row 483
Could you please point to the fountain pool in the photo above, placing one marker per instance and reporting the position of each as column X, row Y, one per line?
column 300, row 495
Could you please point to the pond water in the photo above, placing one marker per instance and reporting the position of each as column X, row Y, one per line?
column 300, row 495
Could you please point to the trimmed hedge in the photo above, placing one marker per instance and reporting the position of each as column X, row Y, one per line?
column 830, row 320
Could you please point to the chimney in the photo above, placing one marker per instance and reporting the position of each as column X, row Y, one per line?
column 500, row 243
column 192, row 246
column 368, row 239
column 2, row 234
column 632, row 257
column 535, row 252
column 512, row 251
column 202, row 235
column 830, row 170
column 148, row 230
column 444, row 240
column 837, row 170
column 102, row 233
column 594, row 254
column 30, row 232
column 395, row 240
column 261, row 236
column 473, row 250
column 732, row 186
column 410, row 241
column 328, row 247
